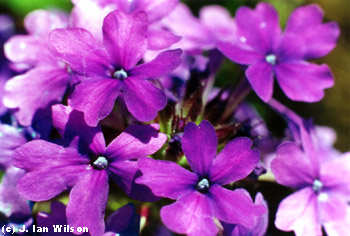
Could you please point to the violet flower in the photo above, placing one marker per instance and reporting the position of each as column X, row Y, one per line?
column 339, row 227
column 260, row 225
column 112, row 71
column 15, row 208
column 11, row 203
column 199, row 195
column 269, row 53
column 89, row 14
column 10, row 139
column 123, row 222
column 214, row 23
column 85, row 166
column 323, row 186
column 46, row 78
column 6, row 30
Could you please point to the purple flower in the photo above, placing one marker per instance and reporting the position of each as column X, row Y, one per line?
column 323, row 186
column 89, row 14
column 260, row 225
column 46, row 78
column 4, row 76
column 112, row 71
column 199, row 194
column 11, row 203
column 339, row 227
column 85, row 166
column 214, row 23
column 269, row 53
column 10, row 139
column 124, row 221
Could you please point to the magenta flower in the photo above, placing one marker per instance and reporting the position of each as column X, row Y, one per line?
column 268, row 53
column 199, row 194
column 89, row 14
column 124, row 221
column 11, row 203
column 111, row 71
column 85, row 166
column 339, row 227
column 46, row 78
column 323, row 186
column 214, row 23
column 260, row 225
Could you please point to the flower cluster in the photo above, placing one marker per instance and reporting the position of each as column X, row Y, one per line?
column 109, row 110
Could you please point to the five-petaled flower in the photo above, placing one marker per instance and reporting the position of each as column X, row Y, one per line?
column 199, row 194
column 267, row 52
column 110, row 69
column 84, row 166
column 323, row 185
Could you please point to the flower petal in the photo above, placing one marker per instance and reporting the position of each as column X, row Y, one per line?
column 78, row 48
column 124, row 221
column 335, row 174
column 319, row 39
column 162, row 65
column 199, row 144
column 156, row 9
column 192, row 214
column 234, row 162
column 244, row 56
column 298, row 212
column 260, row 226
column 136, row 141
column 220, row 22
column 41, row 22
column 183, row 23
column 234, row 207
column 27, row 50
column 89, row 14
column 143, row 99
column 57, row 217
column 87, row 202
column 125, row 37
column 331, row 206
column 10, row 201
column 10, row 139
column 95, row 98
column 59, row 167
column 160, row 38
column 303, row 81
column 292, row 168
column 339, row 227
column 71, row 126
column 124, row 174
column 34, row 90
column 260, row 77
column 165, row 178
column 258, row 28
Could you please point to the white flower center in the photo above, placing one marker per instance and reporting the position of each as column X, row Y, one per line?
column 271, row 59
column 120, row 74
column 317, row 186
column 100, row 163
column 203, row 185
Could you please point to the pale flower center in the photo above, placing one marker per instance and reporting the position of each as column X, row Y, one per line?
column 203, row 185
column 100, row 163
column 271, row 59
column 120, row 74
column 317, row 186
